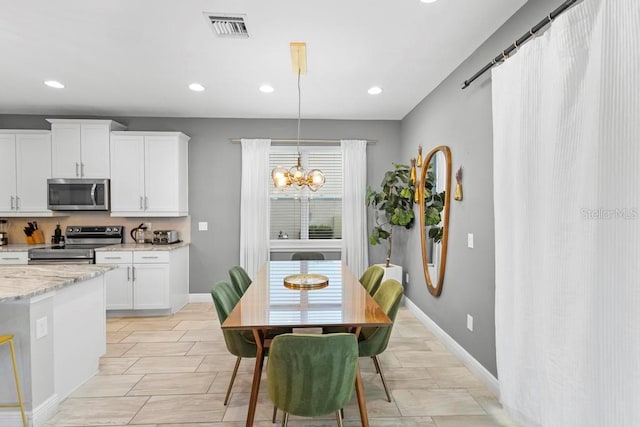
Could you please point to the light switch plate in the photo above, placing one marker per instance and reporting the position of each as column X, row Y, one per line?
column 203, row 226
column 470, row 240
column 42, row 327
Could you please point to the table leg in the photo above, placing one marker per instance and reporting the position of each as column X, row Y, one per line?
column 257, row 374
column 362, row 406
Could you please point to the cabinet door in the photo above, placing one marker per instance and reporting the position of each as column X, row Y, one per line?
column 161, row 174
column 94, row 150
column 151, row 286
column 7, row 173
column 119, row 288
column 127, row 175
column 65, row 150
column 33, row 166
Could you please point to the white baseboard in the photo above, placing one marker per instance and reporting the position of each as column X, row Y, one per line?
column 37, row 418
column 200, row 298
column 452, row 345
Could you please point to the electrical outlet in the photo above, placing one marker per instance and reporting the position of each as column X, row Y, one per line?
column 470, row 322
column 42, row 327
column 470, row 240
column 203, row 226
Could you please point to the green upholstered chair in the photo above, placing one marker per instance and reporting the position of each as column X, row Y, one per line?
column 373, row 341
column 239, row 279
column 239, row 343
column 371, row 278
column 310, row 374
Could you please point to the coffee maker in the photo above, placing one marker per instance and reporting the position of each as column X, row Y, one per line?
column 4, row 232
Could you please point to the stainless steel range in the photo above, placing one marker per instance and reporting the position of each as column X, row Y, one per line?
column 80, row 242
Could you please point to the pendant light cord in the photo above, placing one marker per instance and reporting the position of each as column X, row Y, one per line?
column 299, row 103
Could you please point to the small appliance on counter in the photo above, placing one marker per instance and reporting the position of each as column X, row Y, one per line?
column 4, row 232
column 165, row 237
column 138, row 234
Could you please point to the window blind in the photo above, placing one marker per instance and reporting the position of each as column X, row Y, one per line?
column 301, row 213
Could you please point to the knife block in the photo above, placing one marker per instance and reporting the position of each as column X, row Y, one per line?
column 37, row 238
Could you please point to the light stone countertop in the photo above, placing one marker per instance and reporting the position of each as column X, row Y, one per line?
column 142, row 247
column 26, row 281
column 21, row 247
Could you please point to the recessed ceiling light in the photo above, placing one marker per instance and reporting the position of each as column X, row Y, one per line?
column 196, row 87
column 266, row 89
column 428, row 1
column 54, row 84
column 375, row 90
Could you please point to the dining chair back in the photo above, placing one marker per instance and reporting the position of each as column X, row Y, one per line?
column 239, row 279
column 307, row 256
column 310, row 374
column 239, row 343
column 372, row 278
column 373, row 341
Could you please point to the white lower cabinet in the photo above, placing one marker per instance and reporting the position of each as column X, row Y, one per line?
column 12, row 258
column 147, row 280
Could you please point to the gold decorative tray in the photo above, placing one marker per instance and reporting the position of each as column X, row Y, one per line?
column 306, row 281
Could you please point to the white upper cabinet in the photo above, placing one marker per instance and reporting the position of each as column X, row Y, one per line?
column 80, row 148
column 26, row 167
column 149, row 174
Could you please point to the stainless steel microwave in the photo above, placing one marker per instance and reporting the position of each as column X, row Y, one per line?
column 69, row 194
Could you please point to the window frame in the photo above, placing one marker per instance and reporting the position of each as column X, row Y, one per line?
column 289, row 245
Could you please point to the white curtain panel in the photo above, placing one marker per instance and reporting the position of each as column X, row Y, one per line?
column 355, row 247
column 566, row 117
column 254, row 205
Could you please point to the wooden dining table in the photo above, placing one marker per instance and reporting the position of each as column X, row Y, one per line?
column 268, row 304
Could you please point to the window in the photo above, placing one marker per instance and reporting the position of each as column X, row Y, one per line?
column 301, row 214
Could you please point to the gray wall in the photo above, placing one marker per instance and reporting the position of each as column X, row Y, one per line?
column 462, row 120
column 214, row 173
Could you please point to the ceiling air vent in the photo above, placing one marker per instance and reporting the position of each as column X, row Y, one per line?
column 228, row 25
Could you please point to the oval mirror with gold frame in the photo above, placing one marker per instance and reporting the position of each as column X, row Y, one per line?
column 435, row 178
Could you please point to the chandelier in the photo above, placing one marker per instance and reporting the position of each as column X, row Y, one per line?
column 282, row 177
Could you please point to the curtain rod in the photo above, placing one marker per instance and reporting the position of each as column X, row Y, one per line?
column 505, row 53
column 306, row 141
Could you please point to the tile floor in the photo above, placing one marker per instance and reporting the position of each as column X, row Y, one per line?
column 173, row 371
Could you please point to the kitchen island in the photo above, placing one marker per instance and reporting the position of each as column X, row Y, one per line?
column 57, row 316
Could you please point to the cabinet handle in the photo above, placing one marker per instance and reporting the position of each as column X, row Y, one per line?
column 146, row 203
column 133, row 274
column 17, row 203
column 149, row 257
column 81, row 169
column 12, row 202
column 141, row 204
column 10, row 258
column 128, row 273
column 76, row 168
column 112, row 257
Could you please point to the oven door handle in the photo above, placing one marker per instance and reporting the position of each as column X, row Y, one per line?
column 93, row 194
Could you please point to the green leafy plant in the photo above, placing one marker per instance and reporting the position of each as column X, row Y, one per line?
column 433, row 206
column 393, row 205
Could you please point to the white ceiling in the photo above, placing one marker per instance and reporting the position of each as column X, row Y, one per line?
column 137, row 57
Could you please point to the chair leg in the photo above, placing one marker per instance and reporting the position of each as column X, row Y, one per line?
column 375, row 363
column 15, row 374
column 384, row 383
column 285, row 419
column 275, row 414
column 339, row 418
column 233, row 378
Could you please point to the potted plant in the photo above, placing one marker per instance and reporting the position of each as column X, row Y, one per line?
column 393, row 205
